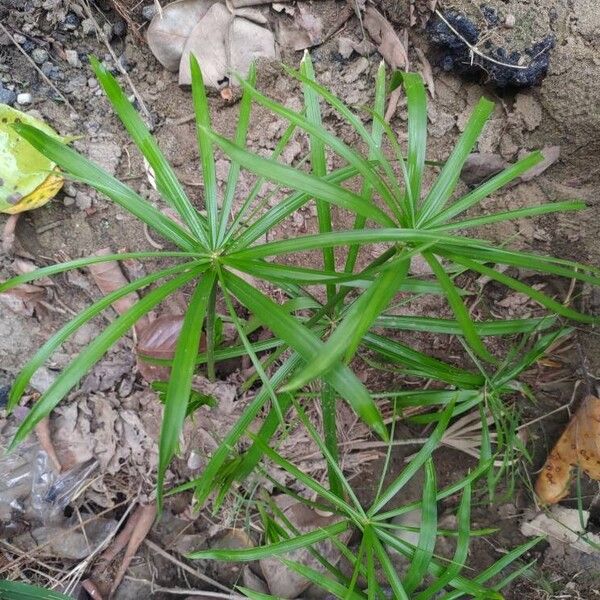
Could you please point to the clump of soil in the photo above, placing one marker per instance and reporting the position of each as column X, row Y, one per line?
column 478, row 48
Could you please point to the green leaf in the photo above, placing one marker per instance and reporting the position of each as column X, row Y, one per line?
column 308, row 345
column 362, row 236
column 511, row 215
column 427, row 535
column 309, row 184
column 451, row 327
column 85, row 262
column 93, row 352
column 462, row 548
column 15, row 590
column 486, row 189
column 233, row 174
column 417, row 138
column 250, row 554
column 317, row 160
column 205, row 149
column 458, row 307
column 446, row 182
column 180, row 381
column 351, row 156
column 347, row 336
column 45, row 351
column 518, row 286
column 166, row 180
column 415, row 464
column 326, row 583
column 86, row 171
column 389, row 569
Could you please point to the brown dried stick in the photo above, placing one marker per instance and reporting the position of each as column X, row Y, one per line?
column 145, row 519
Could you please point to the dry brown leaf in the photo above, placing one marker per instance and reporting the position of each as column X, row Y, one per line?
column 109, row 277
column 158, row 340
column 384, row 36
column 168, row 32
column 578, row 446
column 426, row 71
column 307, row 30
column 24, row 299
column 550, row 153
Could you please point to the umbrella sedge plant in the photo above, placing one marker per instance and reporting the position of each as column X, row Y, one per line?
column 314, row 336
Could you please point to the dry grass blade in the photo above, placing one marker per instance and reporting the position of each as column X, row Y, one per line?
column 384, row 36
column 42, row 431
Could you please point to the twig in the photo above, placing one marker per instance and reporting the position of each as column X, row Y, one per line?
column 42, row 431
column 184, row 592
column 474, row 49
column 143, row 524
column 40, row 72
column 156, row 548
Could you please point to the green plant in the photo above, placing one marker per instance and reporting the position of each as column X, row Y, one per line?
column 14, row 590
column 379, row 540
column 314, row 336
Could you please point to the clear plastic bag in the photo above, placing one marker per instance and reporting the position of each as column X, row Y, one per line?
column 30, row 486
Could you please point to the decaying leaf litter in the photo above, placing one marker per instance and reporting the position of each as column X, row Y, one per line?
column 129, row 365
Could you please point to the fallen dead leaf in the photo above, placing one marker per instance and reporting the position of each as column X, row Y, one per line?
column 578, row 446
column 168, row 32
column 551, row 155
column 109, row 277
column 426, row 71
column 384, row 36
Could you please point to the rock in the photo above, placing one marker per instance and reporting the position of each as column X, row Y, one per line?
column 345, row 47
column 119, row 28
column 229, row 573
column 70, row 22
column 356, row 69
column 51, row 71
column 42, row 379
column 550, row 153
column 88, row 26
column 64, row 542
column 480, row 166
column 83, row 200
column 7, row 96
column 149, row 11
column 283, row 582
column 72, row 58
column 24, row 99
column 39, row 56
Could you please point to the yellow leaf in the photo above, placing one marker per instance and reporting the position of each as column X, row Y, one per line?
column 27, row 178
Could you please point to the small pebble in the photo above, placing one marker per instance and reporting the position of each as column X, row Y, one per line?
column 7, row 96
column 88, row 26
column 24, row 99
column 69, row 189
column 68, row 201
column 92, row 83
column 510, row 21
column 72, row 58
column 70, row 22
column 119, row 28
column 149, row 11
column 39, row 56
column 20, row 39
column 83, row 200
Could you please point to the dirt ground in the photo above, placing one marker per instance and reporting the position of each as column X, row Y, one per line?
column 562, row 110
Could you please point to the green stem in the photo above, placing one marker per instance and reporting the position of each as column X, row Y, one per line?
column 210, row 334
